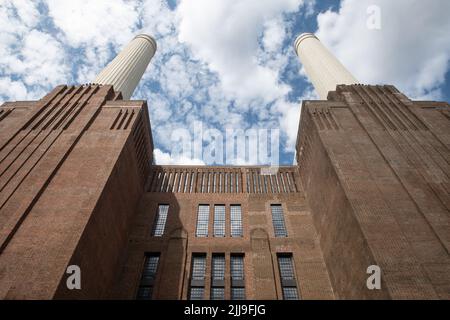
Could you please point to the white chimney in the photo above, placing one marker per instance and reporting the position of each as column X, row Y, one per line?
column 126, row 70
column 322, row 67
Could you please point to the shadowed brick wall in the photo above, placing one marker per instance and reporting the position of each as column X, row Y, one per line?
column 375, row 169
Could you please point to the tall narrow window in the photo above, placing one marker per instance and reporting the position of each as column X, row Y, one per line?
column 219, row 221
column 203, row 182
column 209, row 182
column 287, row 275
column 148, row 277
column 236, row 220
column 186, row 179
column 160, row 220
column 278, row 220
column 218, row 277
column 197, row 286
column 231, row 181
column 192, row 182
column 202, row 220
column 169, row 181
column 163, row 182
column 237, row 277
column 180, row 181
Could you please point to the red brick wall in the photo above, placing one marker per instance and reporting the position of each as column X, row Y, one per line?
column 389, row 165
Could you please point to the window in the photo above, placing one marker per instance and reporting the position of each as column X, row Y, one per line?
column 287, row 275
column 202, row 220
column 236, row 220
column 197, row 293
column 219, row 221
column 197, row 289
column 218, row 277
column 169, row 180
column 186, row 179
column 278, row 221
column 148, row 276
column 160, row 220
column 237, row 277
column 192, row 183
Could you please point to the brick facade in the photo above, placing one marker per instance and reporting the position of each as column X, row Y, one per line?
column 371, row 187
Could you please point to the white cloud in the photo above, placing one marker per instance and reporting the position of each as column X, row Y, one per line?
column 219, row 62
column 225, row 36
column 99, row 22
column 411, row 50
column 274, row 35
column 164, row 158
column 14, row 90
column 31, row 61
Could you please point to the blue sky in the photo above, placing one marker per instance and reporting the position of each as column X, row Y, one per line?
column 225, row 63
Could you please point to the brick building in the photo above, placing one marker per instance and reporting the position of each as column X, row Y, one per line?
column 79, row 187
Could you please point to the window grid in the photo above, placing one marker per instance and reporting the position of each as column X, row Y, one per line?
column 149, row 271
column 145, row 293
column 290, row 293
column 160, row 220
column 237, row 293
column 287, row 273
column 197, row 293
column 217, row 293
column 198, row 267
column 237, row 274
column 286, row 268
column 279, row 225
column 236, row 220
column 218, row 267
column 150, row 267
column 237, row 267
column 219, row 221
column 202, row 221
column 217, row 274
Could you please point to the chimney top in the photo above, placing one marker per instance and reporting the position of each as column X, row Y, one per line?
column 302, row 37
column 148, row 38
column 324, row 70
